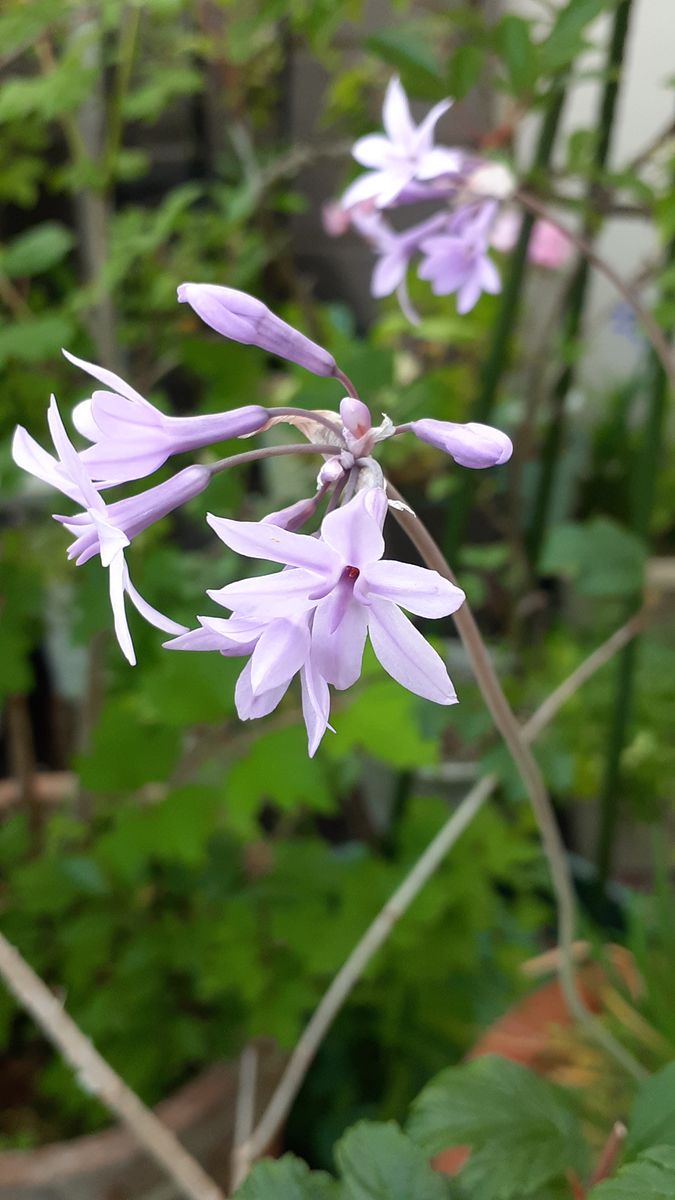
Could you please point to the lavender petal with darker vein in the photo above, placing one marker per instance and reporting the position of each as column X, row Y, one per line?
column 242, row 318
column 131, row 438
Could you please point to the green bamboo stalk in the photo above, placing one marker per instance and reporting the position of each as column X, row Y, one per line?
column 642, row 493
column 578, row 288
column 498, row 353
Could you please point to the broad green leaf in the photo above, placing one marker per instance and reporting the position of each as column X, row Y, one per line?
column 34, row 340
column 601, row 557
column 652, row 1116
column 378, row 1162
column 408, row 49
column 651, row 1177
column 36, row 250
column 518, row 53
column 464, row 71
column 287, row 1178
column 521, row 1130
column 566, row 38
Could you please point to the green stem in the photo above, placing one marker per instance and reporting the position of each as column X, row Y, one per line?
column 130, row 22
column 498, row 353
column 577, row 292
column 642, row 502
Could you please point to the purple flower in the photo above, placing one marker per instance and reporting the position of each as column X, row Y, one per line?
column 132, row 438
column 394, row 250
column 405, row 152
column 342, row 579
column 104, row 529
column 457, row 261
column 242, row 318
column 471, row 445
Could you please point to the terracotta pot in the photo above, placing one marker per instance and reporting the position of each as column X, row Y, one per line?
column 111, row 1165
column 530, row 1031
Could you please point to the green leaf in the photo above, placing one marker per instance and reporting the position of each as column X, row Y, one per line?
column 522, row 1132
column 382, row 721
column 34, row 340
column 37, row 250
column 464, row 70
column 378, row 1162
column 652, row 1177
column 518, row 53
column 601, row 557
column 407, row 48
column 287, row 1178
column 652, row 1116
column 566, row 38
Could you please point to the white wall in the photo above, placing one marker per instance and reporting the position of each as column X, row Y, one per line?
column 646, row 106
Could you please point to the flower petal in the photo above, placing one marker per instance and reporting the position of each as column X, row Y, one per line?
column 389, row 272
column 281, row 594
column 398, row 123
column 117, row 576
column 420, row 590
column 71, row 459
column 338, row 639
column 315, row 705
column 424, row 134
column 281, row 650
column 250, row 706
column 108, row 378
column 406, row 655
column 257, row 540
column 353, row 533
column 30, row 456
column 374, row 150
column 150, row 614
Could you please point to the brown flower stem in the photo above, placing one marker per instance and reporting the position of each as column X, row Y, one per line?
column 528, row 769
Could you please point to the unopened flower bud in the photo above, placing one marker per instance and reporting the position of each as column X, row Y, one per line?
column 471, row 445
column 294, row 515
column 242, row 318
column 355, row 416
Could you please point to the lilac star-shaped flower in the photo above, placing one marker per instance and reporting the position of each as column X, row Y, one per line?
column 352, row 592
column 405, row 152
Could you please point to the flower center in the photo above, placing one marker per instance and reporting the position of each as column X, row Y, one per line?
column 352, row 573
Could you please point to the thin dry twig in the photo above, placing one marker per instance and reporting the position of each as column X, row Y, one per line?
column 378, row 931
column 244, row 1114
column 97, row 1077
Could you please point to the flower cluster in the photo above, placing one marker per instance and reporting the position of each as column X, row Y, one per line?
column 472, row 194
column 335, row 588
